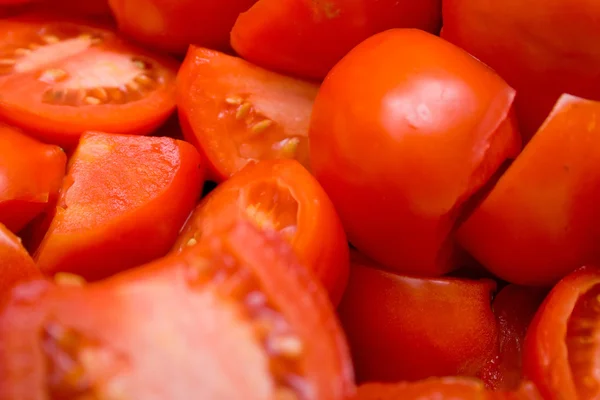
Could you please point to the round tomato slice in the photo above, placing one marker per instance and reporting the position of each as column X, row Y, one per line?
column 236, row 317
column 236, row 112
column 406, row 328
column 540, row 221
column 562, row 342
column 59, row 78
column 405, row 129
column 15, row 263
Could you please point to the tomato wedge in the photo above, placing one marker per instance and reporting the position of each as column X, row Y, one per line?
column 174, row 25
column 282, row 196
column 60, row 78
column 405, row 328
column 540, row 221
column 15, row 263
column 322, row 32
column 236, row 112
column 122, row 204
column 236, row 317
column 561, row 345
column 30, row 175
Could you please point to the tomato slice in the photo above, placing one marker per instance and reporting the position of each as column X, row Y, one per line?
column 15, row 263
column 540, row 221
column 405, row 328
column 30, row 175
column 561, row 344
column 236, row 112
column 60, row 78
column 236, row 317
column 174, row 25
column 122, row 204
column 442, row 389
column 322, row 32
column 282, row 196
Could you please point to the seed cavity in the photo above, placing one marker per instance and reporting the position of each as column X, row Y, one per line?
column 243, row 111
column 261, row 126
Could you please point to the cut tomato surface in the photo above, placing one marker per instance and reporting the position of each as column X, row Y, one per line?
column 282, row 196
column 540, row 221
column 122, row 204
column 15, row 263
column 562, row 342
column 60, row 78
column 236, row 112
column 236, row 317
column 30, row 175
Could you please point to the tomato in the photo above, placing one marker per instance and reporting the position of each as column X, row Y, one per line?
column 442, row 389
column 514, row 307
column 122, row 204
column 59, row 78
column 405, row 328
column 236, row 317
column 400, row 150
column 235, row 112
column 30, row 175
column 280, row 195
column 174, row 25
column 531, row 43
column 15, row 263
column 322, row 32
column 540, row 221
column 560, row 348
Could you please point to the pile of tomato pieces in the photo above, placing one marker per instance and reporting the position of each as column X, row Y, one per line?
column 297, row 200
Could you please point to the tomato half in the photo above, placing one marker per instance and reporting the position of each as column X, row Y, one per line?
column 405, row 328
column 30, row 175
column 122, row 204
column 534, row 45
column 420, row 129
column 442, row 389
column 540, row 221
column 15, row 263
column 235, row 112
column 236, row 317
column 561, row 345
column 174, row 25
column 281, row 196
column 322, row 32
column 60, row 78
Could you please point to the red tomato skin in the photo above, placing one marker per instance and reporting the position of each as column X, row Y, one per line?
column 29, row 184
column 322, row 32
column 16, row 264
column 534, row 47
column 545, row 357
column 398, row 163
column 393, row 324
column 517, row 238
column 100, row 227
column 174, row 25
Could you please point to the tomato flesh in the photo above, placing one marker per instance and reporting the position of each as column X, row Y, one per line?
column 15, row 263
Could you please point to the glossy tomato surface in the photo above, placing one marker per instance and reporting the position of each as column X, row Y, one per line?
column 60, row 78
column 562, row 341
column 281, row 196
column 322, row 32
column 420, row 129
column 122, row 204
column 408, row 328
column 543, row 48
column 235, row 112
column 236, row 317
column 540, row 221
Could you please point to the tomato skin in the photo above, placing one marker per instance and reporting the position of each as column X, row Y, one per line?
column 322, row 32
column 29, row 183
column 318, row 237
column 546, row 360
column 515, row 237
column 224, row 102
column 174, row 25
column 534, row 47
column 393, row 324
column 398, row 162
column 116, row 189
column 16, row 264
